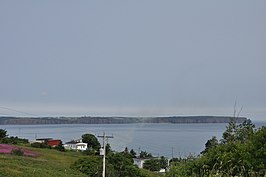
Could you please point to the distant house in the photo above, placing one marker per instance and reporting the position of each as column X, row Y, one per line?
column 76, row 145
column 43, row 140
column 54, row 143
column 140, row 161
column 49, row 141
column 162, row 170
column 81, row 146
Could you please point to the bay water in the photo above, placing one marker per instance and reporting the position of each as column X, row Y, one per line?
column 170, row 140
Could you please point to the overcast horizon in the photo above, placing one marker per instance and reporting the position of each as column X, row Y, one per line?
column 133, row 58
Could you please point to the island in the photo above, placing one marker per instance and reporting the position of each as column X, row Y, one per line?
column 4, row 120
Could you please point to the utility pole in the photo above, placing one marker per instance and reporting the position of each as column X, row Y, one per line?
column 104, row 137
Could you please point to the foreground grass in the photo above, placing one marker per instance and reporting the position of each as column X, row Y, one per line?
column 50, row 163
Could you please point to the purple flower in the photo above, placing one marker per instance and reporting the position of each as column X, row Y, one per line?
column 7, row 149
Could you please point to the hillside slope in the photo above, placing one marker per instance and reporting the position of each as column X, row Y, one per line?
column 50, row 163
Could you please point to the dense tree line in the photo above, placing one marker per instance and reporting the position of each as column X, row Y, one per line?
column 240, row 152
column 118, row 164
column 4, row 138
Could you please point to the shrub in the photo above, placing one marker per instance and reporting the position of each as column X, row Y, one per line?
column 39, row 145
column 18, row 152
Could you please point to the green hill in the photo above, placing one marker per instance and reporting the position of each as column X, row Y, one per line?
column 50, row 163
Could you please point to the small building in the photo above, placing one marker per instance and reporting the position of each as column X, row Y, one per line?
column 81, row 146
column 54, row 143
column 42, row 140
column 140, row 161
column 162, row 170
column 71, row 145
column 49, row 141
column 76, row 145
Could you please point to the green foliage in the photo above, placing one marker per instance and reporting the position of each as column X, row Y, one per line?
column 144, row 154
column 92, row 141
column 91, row 166
column 49, row 163
column 133, row 153
column 18, row 152
column 11, row 140
column 60, row 147
column 242, row 152
column 257, row 147
column 89, row 151
column 244, row 131
column 39, row 145
column 155, row 164
column 117, row 165
column 211, row 143
column 121, row 164
column 152, row 165
column 14, row 140
column 229, row 134
column 240, row 133
column 108, row 149
column 3, row 134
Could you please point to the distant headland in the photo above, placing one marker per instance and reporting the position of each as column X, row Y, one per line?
column 4, row 120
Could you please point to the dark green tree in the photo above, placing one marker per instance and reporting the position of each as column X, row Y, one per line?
column 133, row 153
column 257, row 148
column 152, row 165
column 126, row 150
column 92, row 141
column 3, row 134
column 155, row 164
column 123, row 165
column 108, row 149
column 245, row 131
column 144, row 154
column 230, row 133
column 240, row 153
column 92, row 166
column 163, row 162
column 213, row 142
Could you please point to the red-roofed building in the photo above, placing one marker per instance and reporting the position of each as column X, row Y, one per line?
column 54, row 143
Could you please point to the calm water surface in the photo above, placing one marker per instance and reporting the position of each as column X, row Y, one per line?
column 159, row 139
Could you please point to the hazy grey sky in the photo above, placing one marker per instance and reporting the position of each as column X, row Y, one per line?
column 133, row 58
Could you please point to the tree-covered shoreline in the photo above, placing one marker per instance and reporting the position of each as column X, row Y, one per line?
column 116, row 120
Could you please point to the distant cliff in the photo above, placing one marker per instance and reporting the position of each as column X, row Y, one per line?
column 115, row 120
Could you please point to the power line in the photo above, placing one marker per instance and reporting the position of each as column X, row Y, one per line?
column 14, row 110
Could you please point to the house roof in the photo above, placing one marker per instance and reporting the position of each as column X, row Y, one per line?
column 71, row 142
column 81, row 144
column 44, row 139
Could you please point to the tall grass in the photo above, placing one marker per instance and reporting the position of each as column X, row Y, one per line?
column 50, row 163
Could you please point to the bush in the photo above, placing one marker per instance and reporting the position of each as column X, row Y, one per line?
column 92, row 166
column 60, row 147
column 40, row 145
column 16, row 140
column 18, row 152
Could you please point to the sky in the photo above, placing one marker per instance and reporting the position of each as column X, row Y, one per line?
column 133, row 58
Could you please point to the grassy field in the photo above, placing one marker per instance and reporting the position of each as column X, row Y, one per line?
column 50, row 163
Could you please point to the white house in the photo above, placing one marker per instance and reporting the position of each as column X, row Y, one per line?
column 81, row 146
column 140, row 161
column 76, row 145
